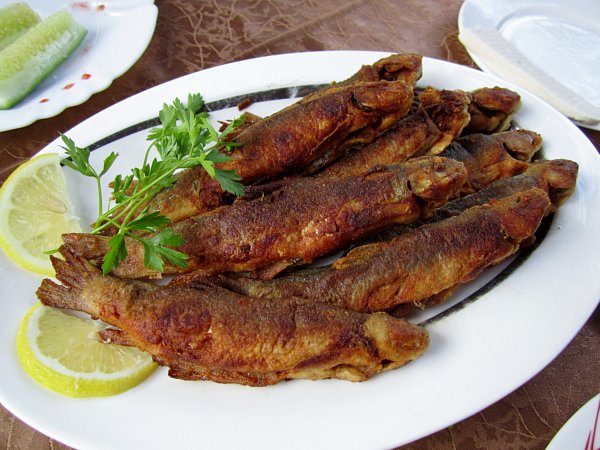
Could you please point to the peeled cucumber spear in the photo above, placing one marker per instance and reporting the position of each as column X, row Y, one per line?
column 15, row 19
column 35, row 55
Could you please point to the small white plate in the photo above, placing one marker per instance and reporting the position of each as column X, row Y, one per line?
column 118, row 33
column 581, row 430
column 559, row 37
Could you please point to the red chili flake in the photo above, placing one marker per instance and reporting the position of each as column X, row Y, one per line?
column 44, row 100
column 80, row 5
column 101, row 7
column 86, row 76
column 68, row 86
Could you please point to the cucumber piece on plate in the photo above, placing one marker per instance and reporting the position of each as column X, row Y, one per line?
column 35, row 55
column 15, row 19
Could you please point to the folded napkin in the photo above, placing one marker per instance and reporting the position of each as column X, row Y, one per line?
column 509, row 63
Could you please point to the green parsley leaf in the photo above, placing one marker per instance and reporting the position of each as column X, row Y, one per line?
column 149, row 223
column 79, row 158
column 116, row 253
column 229, row 181
column 186, row 138
column 108, row 162
column 156, row 251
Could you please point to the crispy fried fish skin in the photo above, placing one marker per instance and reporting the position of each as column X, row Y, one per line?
column 492, row 157
column 492, row 109
column 204, row 332
column 302, row 132
column 306, row 219
column 439, row 119
column 417, row 265
column 406, row 67
column 313, row 137
column 303, row 136
column 449, row 110
column 411, row 136
column 557, row 177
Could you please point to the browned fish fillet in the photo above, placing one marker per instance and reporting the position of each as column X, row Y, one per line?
column 492, row 109
column 308, row 218
column 209, row 333
column 417, row 265
column 291, row 139
column 492, row 157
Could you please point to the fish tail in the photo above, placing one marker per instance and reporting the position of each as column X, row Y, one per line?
column 73, row 272
column 90, row 246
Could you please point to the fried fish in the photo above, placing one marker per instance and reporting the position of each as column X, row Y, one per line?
column 438, row 120
column 557, row 177
column 492, row 110
column 415, row 266
column 406, row 67
column 208, row 333
column 306, row 133
column 449, row 110
column 492, row 157
column 308, row 218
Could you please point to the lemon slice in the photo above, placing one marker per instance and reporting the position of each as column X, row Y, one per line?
column 35, row 55
column 62, row 353
column 15, row 19
column 34, row 211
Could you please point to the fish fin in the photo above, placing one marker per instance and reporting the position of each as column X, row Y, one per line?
column 189, row 278
column 358, row 255
column 73, row 272
column 87, row 245
column 270, row 271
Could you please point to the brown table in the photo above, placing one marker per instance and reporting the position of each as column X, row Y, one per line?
column 193, row 35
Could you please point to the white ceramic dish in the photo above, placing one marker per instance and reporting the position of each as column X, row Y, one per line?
column 118, row 33
column 560, row 37
column 581, row 431
column 478, row 354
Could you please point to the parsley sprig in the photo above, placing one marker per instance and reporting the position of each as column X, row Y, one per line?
column 185, row 139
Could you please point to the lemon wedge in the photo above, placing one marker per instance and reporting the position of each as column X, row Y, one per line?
column 34, row 212
column 63, row 353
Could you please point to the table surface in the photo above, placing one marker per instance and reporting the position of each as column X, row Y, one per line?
column 192, row 35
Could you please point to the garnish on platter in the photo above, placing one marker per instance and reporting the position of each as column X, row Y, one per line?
column 185, row 140
column 58, row 350
column 63, row 353
column 36, row 211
